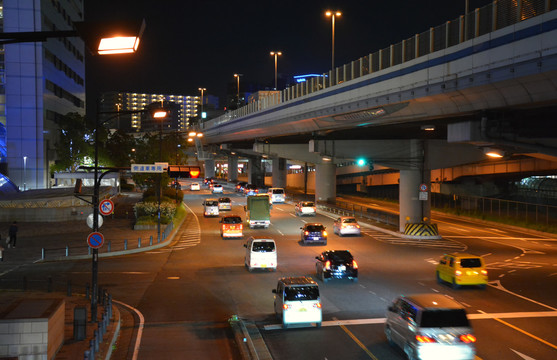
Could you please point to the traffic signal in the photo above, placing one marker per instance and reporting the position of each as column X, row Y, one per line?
column 361, row 162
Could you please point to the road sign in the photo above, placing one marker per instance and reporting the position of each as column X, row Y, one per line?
column 90, row 220
column 149, row 168
column 95, row 240
column 423, row 187
column 106, row 207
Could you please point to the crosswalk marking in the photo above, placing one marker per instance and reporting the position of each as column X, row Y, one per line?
column 189, row 237
column 427, row 243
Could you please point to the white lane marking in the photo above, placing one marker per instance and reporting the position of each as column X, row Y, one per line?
column 525, row 357
column 280, row 232
column 139, row 329
column 482, row 316
column 497, row 285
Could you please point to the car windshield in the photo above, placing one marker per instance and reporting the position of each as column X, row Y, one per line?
column 314, row 228
column 231, row 220
column 260, row 246
column 470, row 263
column 211, row 203
column 224, row 200
column 307, row 204
column 340, row 256
column 349, row 221
column 278, row 191
column 293, row 293
column 444, row 318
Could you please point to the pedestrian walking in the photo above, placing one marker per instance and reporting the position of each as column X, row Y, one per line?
column 12, row 232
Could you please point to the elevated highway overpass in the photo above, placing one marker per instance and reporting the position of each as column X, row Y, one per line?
column 486, row 80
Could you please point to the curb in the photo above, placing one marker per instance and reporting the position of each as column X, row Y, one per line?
column 116, row 313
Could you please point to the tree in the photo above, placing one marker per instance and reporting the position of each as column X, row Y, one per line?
column 120, row 148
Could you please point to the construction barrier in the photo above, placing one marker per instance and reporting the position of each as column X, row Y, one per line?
column 421, row 229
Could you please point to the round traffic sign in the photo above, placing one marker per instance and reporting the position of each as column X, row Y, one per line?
column 89, row 220
column 423, row 187
column 95, row 240
column 106, row 207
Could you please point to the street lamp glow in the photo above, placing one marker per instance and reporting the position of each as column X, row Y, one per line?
column 192, row 133
column 332, row 15
column 237, row 76
column 159, row 114
column 276, row 54
column 199, row 135
column 118, row 45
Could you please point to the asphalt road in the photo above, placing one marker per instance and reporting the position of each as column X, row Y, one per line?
column 186, row 292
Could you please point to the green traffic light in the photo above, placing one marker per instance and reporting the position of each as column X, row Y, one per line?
column 361, row 162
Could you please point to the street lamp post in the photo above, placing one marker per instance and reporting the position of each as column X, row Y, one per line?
column 202, row 90
column 276, row 54
column 237, row 76
column 24, row 173
column 160, row 115
column 332, row 15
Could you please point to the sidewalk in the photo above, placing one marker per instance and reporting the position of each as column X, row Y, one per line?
column 55, row 238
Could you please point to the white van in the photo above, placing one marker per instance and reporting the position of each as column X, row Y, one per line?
column 297, row 301
column 276, row 195
column 210, row 207
column 261, row 254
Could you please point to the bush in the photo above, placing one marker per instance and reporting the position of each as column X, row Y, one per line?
column 168, row 209
column 127, row 187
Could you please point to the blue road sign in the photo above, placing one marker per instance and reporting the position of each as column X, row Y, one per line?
column 95, row 240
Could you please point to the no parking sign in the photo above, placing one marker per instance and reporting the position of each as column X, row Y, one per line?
column 106, row 207
column 95, row 240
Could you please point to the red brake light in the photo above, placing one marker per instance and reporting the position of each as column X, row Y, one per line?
column 306, row 233
column 324, row 233
column 317, row 305
column 328, row 265
column 424, row 339
column 468, row 338
column 354, row 264
column 286, row 306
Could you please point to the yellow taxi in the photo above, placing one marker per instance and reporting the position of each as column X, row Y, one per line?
column 462, row 269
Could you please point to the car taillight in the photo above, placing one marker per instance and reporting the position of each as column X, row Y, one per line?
column 317, row 305
column 354, row 264
column 357, row 226
column 286, row 306
column 241, row 226
column 328, row 265
column 306, row 233
column 324, row 233
column 424, row 339
column 458, row 272
column 484, row 272
column 468, row 338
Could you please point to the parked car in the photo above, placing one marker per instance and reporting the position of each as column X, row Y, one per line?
column 240, row 186
column 336, row 264
column 313, row 233
column 462, row 269
column 297, row 301
column 217, row 188
column 225, row 203
column 195, row 186
column 231, row 226
column 430, row 326
column 346, row 225
column 305, row 208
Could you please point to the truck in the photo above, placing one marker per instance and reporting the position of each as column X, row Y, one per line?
column 258, row 211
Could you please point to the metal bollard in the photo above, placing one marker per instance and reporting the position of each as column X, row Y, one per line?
column 109, row 306
column 125, row 244
column 151, row 240
column 92, row 348
column 86, row 355
column 139, row 242
column 67, row 250
column 163, row 236
column 88, row 250
column 42, row 253
column 97, row 339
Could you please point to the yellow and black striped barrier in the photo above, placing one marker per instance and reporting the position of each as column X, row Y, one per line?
column 421, row 229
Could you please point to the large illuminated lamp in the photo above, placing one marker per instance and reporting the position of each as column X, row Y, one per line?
column 494, row 153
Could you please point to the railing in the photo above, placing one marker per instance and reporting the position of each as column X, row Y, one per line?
column 481, row 21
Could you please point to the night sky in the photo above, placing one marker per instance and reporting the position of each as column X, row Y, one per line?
column 191, row 44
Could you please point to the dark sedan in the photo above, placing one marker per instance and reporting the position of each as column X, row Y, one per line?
column 314, row 233
column 336, row 264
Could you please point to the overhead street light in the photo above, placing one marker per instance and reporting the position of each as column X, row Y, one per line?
column 333, row 15
column 276, row 54
column 202, row 90
column 237, row 76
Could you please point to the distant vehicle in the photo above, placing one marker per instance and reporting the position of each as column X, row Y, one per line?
column 240, row 186
column 462, row 269
column 250, row 190
column 297, row 301
column 231, row 226
column 225, row 203
column 336, row 264
column 261, row 253
column 195, row 186
column 314, row 233
column 276, row 195
column 210, row 207
column 208, row 181
column 305, row 208
column 346, row 225
column 430, row 326
column 217, row 188
column 258, row 211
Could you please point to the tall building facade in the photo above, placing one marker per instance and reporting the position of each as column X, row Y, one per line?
column 39, row 83
column 184, row 109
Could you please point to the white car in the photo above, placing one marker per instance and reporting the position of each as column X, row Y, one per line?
column 225, row 203
column 217, row 188
column 346, row 225
column 195, row 186
column 305, row 208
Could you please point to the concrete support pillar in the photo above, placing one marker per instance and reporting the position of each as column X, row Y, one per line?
column 256, row 172
column 279, row 172
column 325, row 182
column 209, row 166
column 232, row 168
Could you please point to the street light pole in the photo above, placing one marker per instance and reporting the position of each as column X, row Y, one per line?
column 201, row 89
column 237, row 76
column 24, row 173
column 276, row 54
column 333, row 14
